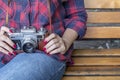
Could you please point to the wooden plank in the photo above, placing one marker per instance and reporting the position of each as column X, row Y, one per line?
column 91, row 58
column 93, row 73
column 95, row 61
column 91, row 78
column 103, row 17
column 93, row 68
column 102, row 3
column 103, row 32
column 96, row 52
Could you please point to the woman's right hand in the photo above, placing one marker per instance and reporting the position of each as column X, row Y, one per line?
column 6, row 44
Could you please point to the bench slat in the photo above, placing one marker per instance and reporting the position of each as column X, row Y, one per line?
column 96, row 52
column 102, row 3
column 104, row 17
column 103, row 32
column 98, row 64
column 93, row 73
column 91, row 78
column 93, row 68
column 92, row 61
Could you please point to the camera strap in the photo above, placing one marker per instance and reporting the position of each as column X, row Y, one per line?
column 49, row 15
column 7, row 14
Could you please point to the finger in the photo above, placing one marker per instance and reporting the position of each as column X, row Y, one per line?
column 4, row 51
column 50, row 43
column 50, row 37
column 5, row 46
column 58, row 50
column 53, row 47
column 5, row 29
column 63, row 46
column 7, row 40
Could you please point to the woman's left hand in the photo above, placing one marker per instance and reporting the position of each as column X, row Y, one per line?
column 55, row 44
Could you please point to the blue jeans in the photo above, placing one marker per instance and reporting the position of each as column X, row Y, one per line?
column 32, row 67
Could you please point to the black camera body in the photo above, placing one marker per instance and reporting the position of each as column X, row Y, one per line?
column 28, row 38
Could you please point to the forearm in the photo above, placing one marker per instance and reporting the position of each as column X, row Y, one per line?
column 69, row 37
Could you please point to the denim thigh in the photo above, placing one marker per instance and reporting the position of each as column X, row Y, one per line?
column 36, row 66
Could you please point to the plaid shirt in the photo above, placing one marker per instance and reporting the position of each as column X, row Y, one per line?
column 64, row 14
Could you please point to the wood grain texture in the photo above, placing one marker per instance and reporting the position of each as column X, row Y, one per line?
column 103, row 17
column 91, row 78
column 93, row 73
column 96, row 61
column 102, row 3
column 93, row 68
column 103, row 32
column 96, row 52
column 98, row 64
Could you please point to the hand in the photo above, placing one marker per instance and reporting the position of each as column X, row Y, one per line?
column 6, row 45
column 55, row 44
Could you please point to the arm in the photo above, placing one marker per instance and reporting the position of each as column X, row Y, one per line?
column 75, row 21
column 75, row 24
column 76, row 16
column 69, row 37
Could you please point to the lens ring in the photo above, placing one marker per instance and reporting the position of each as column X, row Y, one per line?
column 28, row 47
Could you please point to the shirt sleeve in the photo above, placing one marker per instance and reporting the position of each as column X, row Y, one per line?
column 76, row 16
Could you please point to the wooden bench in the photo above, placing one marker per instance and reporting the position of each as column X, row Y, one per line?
column 97, row 64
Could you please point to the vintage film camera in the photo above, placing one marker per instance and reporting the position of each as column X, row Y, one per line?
column 29, row 39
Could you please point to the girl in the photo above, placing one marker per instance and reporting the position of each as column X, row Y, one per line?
column 66, row 19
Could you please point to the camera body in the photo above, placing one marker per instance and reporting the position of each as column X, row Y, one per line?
column 28, row 38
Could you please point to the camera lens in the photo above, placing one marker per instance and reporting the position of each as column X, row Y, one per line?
column 28, row 47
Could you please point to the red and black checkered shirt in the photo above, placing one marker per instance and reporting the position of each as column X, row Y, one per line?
column 64, row 14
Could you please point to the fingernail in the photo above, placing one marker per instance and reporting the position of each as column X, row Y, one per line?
column 48, row 53
column 3, row 61
column 14, row 46
column 9, row 54
column 14, row 53
column 11, row 31
column 45, row 42
column 44, row 49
